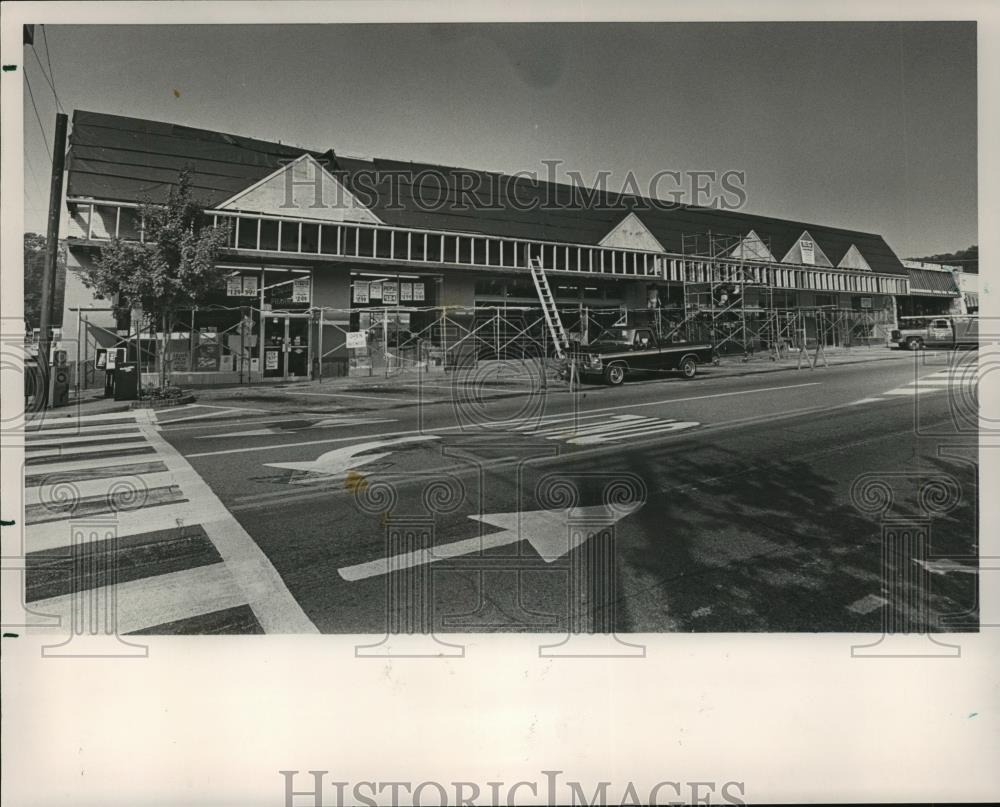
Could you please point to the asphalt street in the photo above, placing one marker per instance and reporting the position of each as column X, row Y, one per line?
column 749, row 503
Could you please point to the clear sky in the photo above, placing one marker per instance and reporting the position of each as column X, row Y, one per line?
column 868, row 126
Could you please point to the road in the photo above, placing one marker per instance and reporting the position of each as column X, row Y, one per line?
column 718, row 504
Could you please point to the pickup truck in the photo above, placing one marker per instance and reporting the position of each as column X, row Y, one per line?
column 619, row 352
column 915, row 333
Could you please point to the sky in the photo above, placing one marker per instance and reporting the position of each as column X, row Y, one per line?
column 867, row 126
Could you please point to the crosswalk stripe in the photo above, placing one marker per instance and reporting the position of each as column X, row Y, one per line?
column 86, row 440
column 105, row 465
column 96, row 486
column 87, row 455
column 621, row 422
column 58, row 534
column 110, row 502
column 62, row 422
column 116, row 560
column 60, row 450
column 912, row 391
column 641, row 431
column 153, row 600
column 78, row 431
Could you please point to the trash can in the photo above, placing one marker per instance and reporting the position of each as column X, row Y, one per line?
column 127, row 381
column 59, row 385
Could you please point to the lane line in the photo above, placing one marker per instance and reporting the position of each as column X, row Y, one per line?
column 345, row 395
column 591, row 412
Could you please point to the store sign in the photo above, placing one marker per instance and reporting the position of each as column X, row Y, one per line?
column 390, row 294
column 361, row 291
column 357, row 340
column 234, row 286
column 808, row 250
column 300, row 290
column 270, row 359
column 406, row 292
column 418, row 292
column 376, row 290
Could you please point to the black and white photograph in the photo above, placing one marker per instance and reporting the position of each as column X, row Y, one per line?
column 410, row 335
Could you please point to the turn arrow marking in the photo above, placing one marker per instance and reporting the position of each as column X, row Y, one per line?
column 546, row 530
column 341, row 460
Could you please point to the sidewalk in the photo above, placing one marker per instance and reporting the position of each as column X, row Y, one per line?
column 487, row 380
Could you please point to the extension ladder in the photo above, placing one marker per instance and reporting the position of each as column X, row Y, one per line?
column 551, row 313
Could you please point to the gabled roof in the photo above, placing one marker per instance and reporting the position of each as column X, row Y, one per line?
column 302, row 188
column 126, row 159
column 631, row 233
column 853, row 259
column 752, row 248
column 794, row 254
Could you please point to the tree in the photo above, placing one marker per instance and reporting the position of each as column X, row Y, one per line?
column 172, row 269
column 34, row 272
column 967, row 258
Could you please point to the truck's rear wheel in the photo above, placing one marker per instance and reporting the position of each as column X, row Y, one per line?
column 614, row 375
column 688, row 367
column 914, row 343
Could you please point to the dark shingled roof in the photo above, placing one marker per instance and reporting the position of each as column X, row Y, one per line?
column 932, row 281
column 128, row 159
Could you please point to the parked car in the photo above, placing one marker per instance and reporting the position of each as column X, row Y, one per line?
column 620, row 352
column 915, row 333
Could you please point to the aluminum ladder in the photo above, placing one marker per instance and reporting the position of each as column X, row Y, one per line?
column 552, row 320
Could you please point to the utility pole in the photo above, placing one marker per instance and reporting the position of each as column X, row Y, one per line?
column 51, row 253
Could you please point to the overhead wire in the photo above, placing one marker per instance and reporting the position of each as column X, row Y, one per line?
column 48, row 57
column 48, row 80
column 38, row 117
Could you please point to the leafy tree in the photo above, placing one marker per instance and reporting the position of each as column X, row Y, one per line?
column 34, row 271
column 173, row 269
column 967, row 258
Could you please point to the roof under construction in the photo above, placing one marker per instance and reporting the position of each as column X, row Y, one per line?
column 116, row 158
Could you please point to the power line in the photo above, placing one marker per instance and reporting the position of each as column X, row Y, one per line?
column 48, row 57
column 38, row 117
column 47, row 79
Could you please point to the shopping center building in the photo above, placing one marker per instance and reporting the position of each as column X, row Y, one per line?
column 351, row 262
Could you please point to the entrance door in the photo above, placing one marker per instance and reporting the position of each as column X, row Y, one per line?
column 274, row 346
column 297, row 355
column 286, row 346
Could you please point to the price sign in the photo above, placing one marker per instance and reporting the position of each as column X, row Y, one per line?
column 234, row 286
column 390, row 294
column 418, row 292
column 361, row 291
column 300, row 290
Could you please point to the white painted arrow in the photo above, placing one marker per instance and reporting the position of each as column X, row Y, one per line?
column 546, row 530
column 341, row 460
